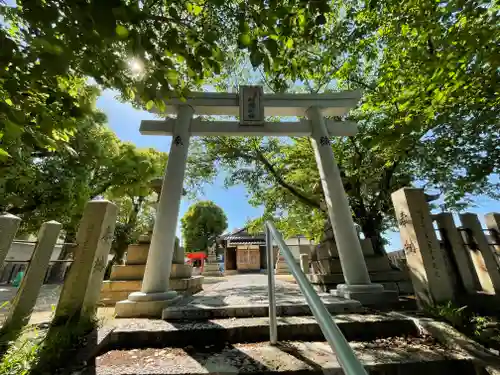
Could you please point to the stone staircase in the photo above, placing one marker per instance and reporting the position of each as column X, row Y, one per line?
column 281, row 267
column 385, row 344
column 127, row 278
column 224, row 330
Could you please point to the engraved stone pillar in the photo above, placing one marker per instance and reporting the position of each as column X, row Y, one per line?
column 82, row 285
column 9, row 224
column 155, row 292
column 482, row 256
column 426, row 263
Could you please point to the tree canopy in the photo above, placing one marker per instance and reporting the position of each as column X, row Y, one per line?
column 429, row 71
column 416, row 122
column 201, row 224
column 55, row 185
column 170, row 45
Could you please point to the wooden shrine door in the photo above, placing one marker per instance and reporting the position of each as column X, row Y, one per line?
column 248, row 257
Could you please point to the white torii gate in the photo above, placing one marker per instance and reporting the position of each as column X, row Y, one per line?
column 251, row 105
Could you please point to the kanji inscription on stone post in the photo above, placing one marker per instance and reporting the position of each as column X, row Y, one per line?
column 426, row 261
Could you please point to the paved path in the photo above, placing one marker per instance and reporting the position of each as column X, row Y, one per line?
column 49, row 296
column 234, row 290
column 249, row 290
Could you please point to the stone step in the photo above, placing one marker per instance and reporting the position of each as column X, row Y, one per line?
column 137, row 254
column 409, row 356
column 111, row 297
column 127, row 272
column 121, row 285
column 135, row 333
column 114, row 291
column 199, row 311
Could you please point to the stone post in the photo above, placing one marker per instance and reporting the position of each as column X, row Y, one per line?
column 493, row 224
column 9, row 224
column 482, row 256
column 431, row 280
column 22, row 306
column 452, row 239
column 178, row 257
column 82, row 285
column 304, row 263
column 350, row 253
column 155, row 293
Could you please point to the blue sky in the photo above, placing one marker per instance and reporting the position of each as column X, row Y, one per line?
column 125, row 121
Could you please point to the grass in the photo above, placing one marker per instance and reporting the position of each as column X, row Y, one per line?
column 51, row 350
column 483, row 329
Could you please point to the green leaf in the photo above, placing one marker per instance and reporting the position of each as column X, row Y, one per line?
column 256, row 58
column 172, row 76
column 121, row 32
column 245, row 39
column 272, row 46
column 197, row 10
column 3, row 155
column 194, row 8
column 211, row 36
column 149, row 105
column 130, row 93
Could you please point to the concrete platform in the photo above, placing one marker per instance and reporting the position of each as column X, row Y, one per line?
column 247, row 296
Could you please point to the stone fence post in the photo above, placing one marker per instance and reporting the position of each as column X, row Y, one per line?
column 9, row 224
column 426, row 262
column 482, row 255
column 82, row 286
column 452, row 239
column 24, row 302
column 493, row 224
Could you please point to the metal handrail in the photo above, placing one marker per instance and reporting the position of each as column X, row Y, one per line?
column 347, row 359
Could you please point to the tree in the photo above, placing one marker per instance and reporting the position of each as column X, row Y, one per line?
column 135, row 218
column 418, row 121
column 202, row 222
column 47, row 185
column 41, row 102
column 429, row 84
column 151, row 48
column 283, row 177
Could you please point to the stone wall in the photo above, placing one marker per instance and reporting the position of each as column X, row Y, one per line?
column 22, row 251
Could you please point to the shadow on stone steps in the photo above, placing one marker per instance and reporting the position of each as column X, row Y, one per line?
column 355, row 327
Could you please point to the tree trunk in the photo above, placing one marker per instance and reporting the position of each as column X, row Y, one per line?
column 371, row 228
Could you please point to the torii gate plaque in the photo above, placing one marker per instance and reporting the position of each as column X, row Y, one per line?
column 251, row 105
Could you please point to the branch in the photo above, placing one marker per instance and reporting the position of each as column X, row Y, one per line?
column 306, row 200
column 361, row 83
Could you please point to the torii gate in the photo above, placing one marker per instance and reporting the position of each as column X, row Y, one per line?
column 252, row 105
